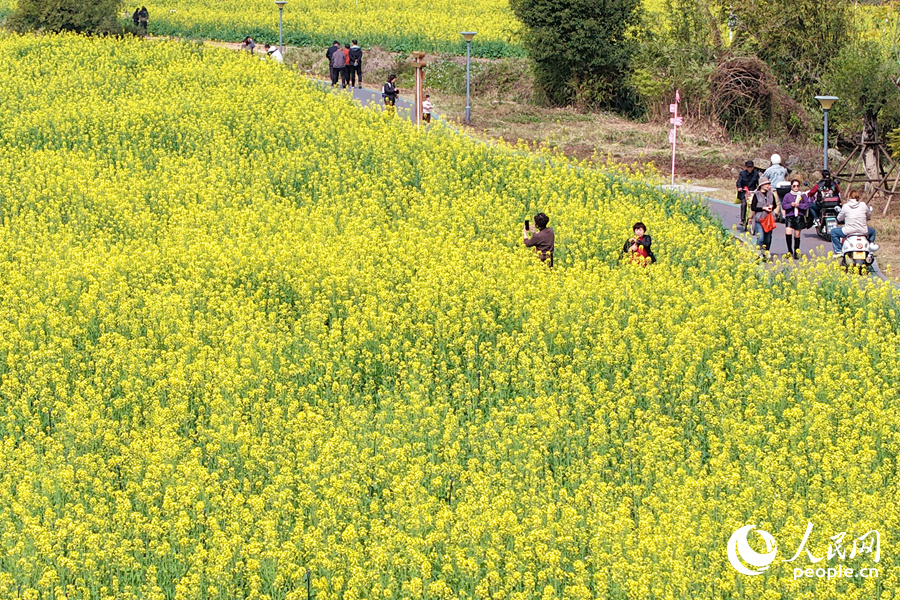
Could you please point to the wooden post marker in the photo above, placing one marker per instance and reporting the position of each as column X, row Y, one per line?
column 419, row 65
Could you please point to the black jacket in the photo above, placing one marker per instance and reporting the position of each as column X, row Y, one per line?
column 355, row 56
column 645, row 242
column 750, row 180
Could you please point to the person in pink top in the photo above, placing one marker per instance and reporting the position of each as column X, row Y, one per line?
column 794, row 205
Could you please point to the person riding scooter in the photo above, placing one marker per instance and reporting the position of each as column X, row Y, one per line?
column 827, row 190
column 776, row 173
column 854, row 215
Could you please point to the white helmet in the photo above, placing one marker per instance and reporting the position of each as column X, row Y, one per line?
column 776, row 159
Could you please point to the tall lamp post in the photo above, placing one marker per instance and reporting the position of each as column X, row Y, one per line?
column 826, row 102
column 468, row 35
column 280, row 4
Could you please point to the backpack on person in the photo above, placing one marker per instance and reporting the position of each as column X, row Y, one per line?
column 338, row 60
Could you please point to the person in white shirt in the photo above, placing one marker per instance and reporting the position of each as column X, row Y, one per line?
column 854, row 215
column 274, row 53
column 776, row 173
column 427, row 107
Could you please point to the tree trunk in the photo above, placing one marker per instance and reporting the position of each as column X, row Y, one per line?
column 871, row 158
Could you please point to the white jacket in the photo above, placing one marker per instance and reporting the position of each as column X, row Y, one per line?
column 854, row 215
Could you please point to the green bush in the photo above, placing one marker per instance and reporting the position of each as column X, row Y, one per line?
column 80, row 16
column 581, row 48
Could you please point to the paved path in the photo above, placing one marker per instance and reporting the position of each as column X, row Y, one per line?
column 367, row 96
column 730, row 215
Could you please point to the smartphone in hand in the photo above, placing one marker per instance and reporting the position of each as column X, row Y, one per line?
column 526, row 224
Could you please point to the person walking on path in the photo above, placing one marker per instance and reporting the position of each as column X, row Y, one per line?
column 795, row 205
column 763, row 205
column 345, row 72
column 143, row 18
column 748, row 179
column 355, row 65
column 775, row 173
column 427, row 107
column 390, row 92
column 329, row 54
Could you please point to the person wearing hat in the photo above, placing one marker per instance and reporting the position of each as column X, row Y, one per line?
column 748, row 179
column 763, row 204
column 776, row 173
column 827, row 190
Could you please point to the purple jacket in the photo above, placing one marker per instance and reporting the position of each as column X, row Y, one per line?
column 794, row 211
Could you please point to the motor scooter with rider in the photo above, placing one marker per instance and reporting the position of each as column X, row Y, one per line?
column 827, row 205
column 858, row 248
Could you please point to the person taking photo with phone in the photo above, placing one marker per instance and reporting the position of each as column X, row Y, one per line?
column 541, row 240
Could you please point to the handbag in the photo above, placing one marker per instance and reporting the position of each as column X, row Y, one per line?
column 767, row 222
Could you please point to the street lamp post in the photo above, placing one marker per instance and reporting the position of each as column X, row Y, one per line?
column 468, row 35
column 280, row 4
column 826, row 102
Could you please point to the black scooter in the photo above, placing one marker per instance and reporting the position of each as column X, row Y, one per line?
column 828, row 211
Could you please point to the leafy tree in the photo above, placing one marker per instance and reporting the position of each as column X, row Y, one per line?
column 680, row 54
column 81, row 16
column 796, row 38
column 865, row 80
column 581, row 49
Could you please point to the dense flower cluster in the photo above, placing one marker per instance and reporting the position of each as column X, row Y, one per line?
column 248, row 328
column 399, row 25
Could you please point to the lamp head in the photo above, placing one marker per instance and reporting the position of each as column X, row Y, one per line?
column 280, row 4
column 468, row 35
column 826, row 101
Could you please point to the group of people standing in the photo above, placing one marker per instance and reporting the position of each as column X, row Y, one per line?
column 345, row 63
column 772, row 197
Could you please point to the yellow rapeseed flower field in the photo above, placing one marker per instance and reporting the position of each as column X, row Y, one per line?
column 248, row 328
column 399, row 25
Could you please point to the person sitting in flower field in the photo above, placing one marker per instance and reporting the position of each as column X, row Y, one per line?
column 274, row 53
column 541, row 240
column 638, row 247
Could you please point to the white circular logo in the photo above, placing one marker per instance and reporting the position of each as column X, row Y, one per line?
column 738, row 547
